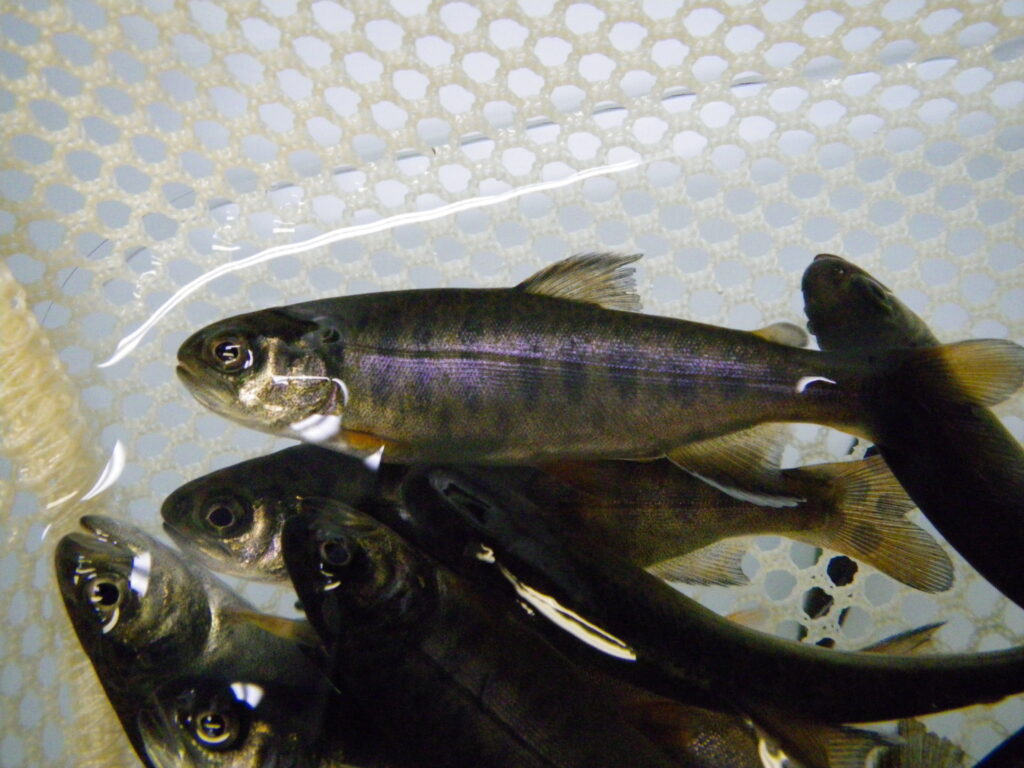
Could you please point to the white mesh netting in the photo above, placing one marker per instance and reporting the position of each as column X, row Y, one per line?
column 468, row 144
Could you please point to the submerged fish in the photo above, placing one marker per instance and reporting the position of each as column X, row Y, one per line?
column 281, row 715
column 547, row 371
column 623, row 611
column 650, row 513
column 448, row 676
column 962, row 467
column 147, row 619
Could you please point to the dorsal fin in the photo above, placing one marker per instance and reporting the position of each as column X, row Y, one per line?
column 597, row 278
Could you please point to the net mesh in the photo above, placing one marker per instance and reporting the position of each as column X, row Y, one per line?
column 316, row 149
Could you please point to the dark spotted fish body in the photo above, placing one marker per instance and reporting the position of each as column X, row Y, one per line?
column 649, row 513
column 533, row 373
column 449, row 676
column 962, row 468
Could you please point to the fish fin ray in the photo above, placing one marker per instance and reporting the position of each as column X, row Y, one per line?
column 785, row 333
column 910, row 641
column 598, row 278
column 829, row 746
column 716, row 564
column 985, row 371
column 870, row 525
column 743, row 464
column 920, row 748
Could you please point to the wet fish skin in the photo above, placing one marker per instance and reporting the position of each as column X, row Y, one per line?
column 282, row 714
column 963, row 469
column 450, row 678
column 172, row 621
column 748, row 666
column 647, row 512
column 148, row 635
column 515, row 376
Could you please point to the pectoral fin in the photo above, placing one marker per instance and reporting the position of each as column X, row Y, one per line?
column 297, row 630
column 597, row 278
column 743, row 464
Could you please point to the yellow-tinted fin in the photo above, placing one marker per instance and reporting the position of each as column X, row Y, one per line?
column 870, row 525
column 789, row 334
column 297, row 630
column 750, row 617
column 597, row 278
column 828, row 746
column 986, row 371
column 920, row 748
column 908, row 642
column 740, row 463
column 716, row 564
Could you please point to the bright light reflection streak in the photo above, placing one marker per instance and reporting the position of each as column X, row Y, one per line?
column 142, row 566
column 250, row 693
column 570, row 621
column 126, row 345
column 110, row 473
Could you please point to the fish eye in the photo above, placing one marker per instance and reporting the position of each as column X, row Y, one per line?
column 231, row 353
column 104, row 593
column 335, row 552
column 216, row 729
column 222, row 517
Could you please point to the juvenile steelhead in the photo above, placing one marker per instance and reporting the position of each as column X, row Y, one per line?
column 147, row 619
column 545, row 371
column 616, row 606
column 649, row 513
column 448, row 677
column 962, row 467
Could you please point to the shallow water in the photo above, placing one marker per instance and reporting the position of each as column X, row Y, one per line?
column 233, row 157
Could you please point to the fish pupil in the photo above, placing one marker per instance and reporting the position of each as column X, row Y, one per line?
column 105, row 594
column 335, row 552
column 213, row 727
column 228, row 352
column 220, row 517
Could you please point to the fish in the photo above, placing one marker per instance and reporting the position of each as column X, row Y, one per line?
column 281, row 715
column 651, row 513
column 557, row 367
column 443, row 672
column 963, row 468
column 656, row 636
column 148, row 619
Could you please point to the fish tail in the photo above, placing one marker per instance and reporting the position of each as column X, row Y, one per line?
column 920, row 748
column 868, row 523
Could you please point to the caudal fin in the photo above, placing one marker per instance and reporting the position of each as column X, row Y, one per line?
column 920, row 748
column 869, row 524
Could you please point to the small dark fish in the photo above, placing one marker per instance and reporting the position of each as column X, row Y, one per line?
column 151, row 622
column 962, row 468
column 449, row 677
column 547, row 371
column 650, row 513
column 623, row 610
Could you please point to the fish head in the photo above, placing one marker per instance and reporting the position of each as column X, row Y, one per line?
column 224, row 723
column 136, row 608
column 349, row 570
column 230, row 525
column 844, row 302
column 268, row 370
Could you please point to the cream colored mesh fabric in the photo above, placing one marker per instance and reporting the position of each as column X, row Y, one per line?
column 468, row 144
